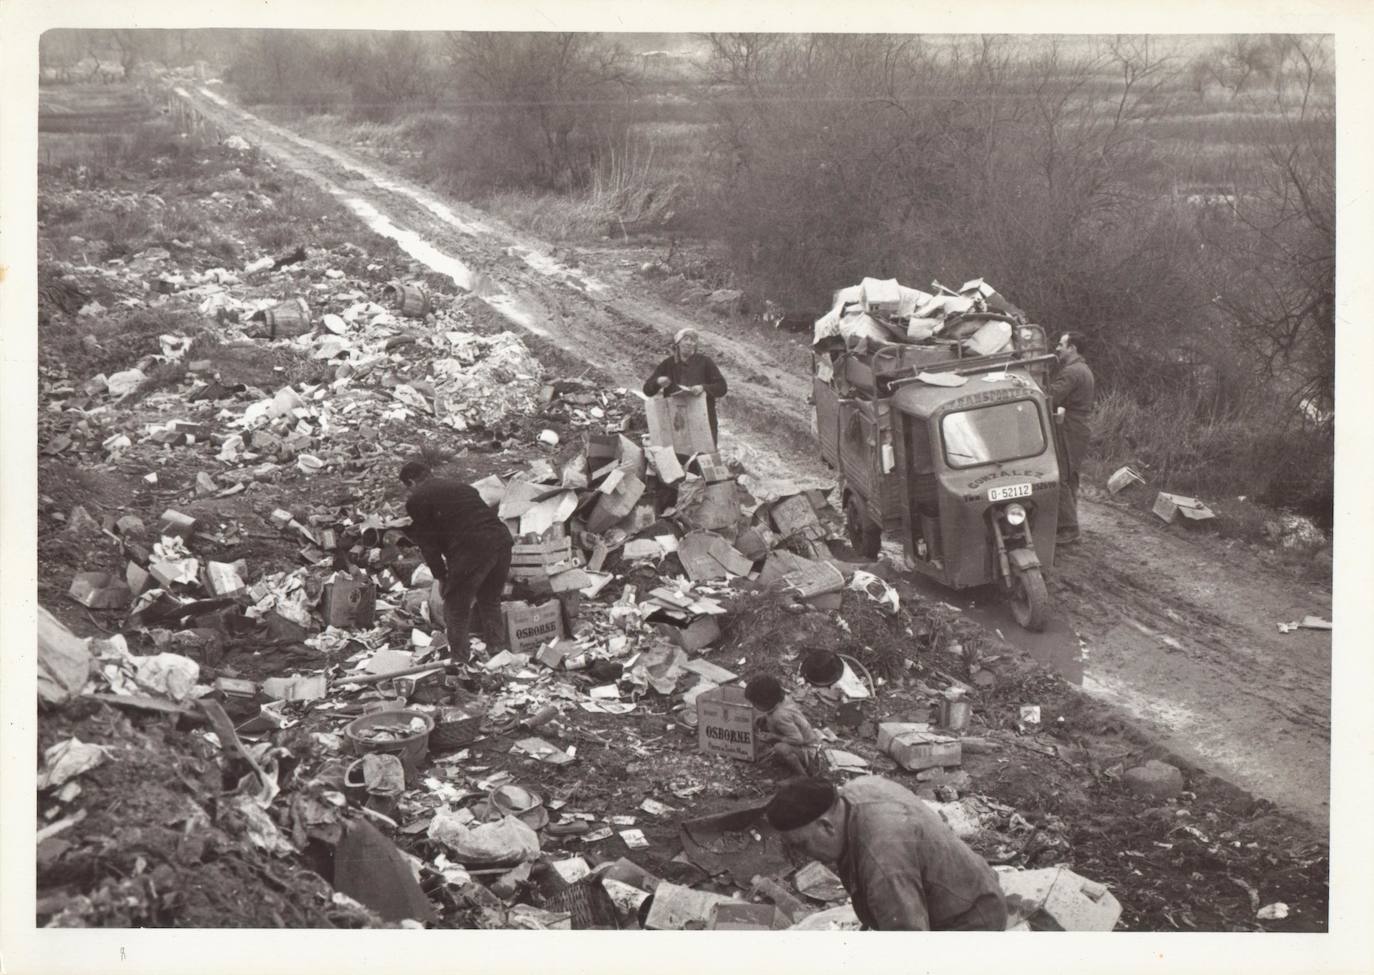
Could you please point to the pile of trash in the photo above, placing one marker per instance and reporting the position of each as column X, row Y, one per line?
column 588, row 775
column 879, row 311
column 383, row 743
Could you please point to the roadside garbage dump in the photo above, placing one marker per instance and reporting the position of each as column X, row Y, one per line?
column 264, row 685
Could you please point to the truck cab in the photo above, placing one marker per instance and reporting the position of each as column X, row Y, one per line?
column 954, row 451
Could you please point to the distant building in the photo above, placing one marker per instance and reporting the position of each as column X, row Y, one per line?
column 1207, row 196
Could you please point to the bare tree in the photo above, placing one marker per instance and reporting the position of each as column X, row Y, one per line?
column 825, row 143
column 403, row 70
column 1245, row 58
column 740, row 60
column 188, row 46
column 557, row 96
column 135, row 46
column 1280, row 260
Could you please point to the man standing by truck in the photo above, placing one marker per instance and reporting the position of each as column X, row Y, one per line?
column 1072, row 389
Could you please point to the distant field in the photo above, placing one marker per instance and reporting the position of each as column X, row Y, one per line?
column 91, row 108
column 90, row 123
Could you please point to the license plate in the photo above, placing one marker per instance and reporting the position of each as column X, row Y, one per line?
column 1008, row 492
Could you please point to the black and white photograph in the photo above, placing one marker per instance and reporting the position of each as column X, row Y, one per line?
column 685, row 474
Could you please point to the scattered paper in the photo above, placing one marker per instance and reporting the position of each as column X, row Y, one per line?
column 542, row 750
column 68, row 759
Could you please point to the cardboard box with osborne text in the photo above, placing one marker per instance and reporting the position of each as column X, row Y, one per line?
column 528, row 626
column 725, row 724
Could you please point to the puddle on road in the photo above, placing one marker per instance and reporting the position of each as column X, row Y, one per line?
column 537, row 260
column 409, row 241
column 1165, row 713
column 435, row 259
column 552, row 268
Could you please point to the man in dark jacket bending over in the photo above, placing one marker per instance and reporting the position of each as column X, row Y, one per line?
column 687, row 370
column 466, row 546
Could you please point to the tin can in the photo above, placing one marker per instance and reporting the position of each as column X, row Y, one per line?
column 954, row 715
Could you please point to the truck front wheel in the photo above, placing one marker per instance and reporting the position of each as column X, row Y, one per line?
column 865, row 537
column 1030, row 600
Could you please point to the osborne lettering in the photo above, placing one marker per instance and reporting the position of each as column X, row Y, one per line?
column 522, row 632
column 729, row 735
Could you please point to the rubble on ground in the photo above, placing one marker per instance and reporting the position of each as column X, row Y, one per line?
column 269, row 682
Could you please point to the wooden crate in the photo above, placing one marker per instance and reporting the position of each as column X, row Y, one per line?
column 539, row 560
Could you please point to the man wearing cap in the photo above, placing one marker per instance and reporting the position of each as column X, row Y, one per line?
column 903, row 867
column 687, row 370
column 466, row 546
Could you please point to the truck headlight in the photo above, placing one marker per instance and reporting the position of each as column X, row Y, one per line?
column 1016, row 515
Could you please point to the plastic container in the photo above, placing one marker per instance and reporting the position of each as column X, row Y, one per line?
column 412, row 747
column 355, row 784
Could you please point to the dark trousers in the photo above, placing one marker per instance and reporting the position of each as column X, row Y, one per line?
column 1075, row 444
column 476, row 577
column 1068, row 505
column 988, row 913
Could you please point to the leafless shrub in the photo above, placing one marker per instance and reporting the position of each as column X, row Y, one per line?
column 539, row 109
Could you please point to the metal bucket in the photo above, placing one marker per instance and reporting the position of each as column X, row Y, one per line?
column 410, row 299
column 821, row 668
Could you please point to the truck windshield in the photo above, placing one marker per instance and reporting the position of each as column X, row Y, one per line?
column 1001, row 432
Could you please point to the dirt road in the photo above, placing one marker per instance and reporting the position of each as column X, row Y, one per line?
column 1180, row 631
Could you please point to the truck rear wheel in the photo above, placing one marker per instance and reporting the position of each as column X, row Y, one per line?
column 1030, row 600
column 865, row 537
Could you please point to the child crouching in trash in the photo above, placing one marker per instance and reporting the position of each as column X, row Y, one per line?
column 795, row 743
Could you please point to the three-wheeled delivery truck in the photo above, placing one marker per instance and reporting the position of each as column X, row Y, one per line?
column 943, row 435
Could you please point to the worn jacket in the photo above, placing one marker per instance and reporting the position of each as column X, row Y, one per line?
column 450, row 519
column 695, row 370
column 787, row 723
column 904, row 868
column 1072, row 388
